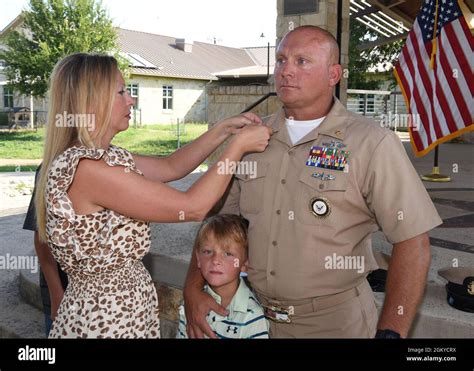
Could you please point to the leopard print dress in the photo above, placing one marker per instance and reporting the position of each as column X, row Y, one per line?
column 110, row 292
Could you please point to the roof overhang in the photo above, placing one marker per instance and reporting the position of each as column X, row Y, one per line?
column 12, row 25
column 252, row 71
column 392, row 19
column 157, row 73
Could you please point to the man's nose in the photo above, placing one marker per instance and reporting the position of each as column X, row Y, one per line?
column 287, row 69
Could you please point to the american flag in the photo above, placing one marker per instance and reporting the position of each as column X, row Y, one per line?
column 435, row 74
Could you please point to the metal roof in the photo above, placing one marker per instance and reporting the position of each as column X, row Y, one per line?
column 158, row 55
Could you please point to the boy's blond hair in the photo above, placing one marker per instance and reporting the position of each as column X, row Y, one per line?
column 225, row 228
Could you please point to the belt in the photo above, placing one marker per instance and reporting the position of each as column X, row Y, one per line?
column 283, row 311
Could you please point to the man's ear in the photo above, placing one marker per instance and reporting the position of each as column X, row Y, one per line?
column 197, row 258
column 335, row 73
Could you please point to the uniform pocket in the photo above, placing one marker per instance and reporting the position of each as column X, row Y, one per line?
column 251, row 189
column 318, row 200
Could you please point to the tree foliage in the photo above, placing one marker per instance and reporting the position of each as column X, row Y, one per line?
column 52, row 29
column 361, row 61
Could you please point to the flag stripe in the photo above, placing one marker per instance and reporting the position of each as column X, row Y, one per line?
column 435, row 73
column 462, row 29
column 461, row 45
column 450, row 84
column 422, row 68
column 418, row 107
column 439, row 119
column 405, row 86
column 441, row 97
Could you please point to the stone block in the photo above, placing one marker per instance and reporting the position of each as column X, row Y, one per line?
column 169, row 299
column 220, row 99
column 168, row 329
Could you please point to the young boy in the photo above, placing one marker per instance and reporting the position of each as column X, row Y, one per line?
column 221, row 251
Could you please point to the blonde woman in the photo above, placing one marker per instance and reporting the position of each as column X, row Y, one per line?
column 94, row 200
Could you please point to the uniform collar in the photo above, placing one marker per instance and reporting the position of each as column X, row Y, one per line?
column 333, row 125
column 335, row 122
column 239, row 302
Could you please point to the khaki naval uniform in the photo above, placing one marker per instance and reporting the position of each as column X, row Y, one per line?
column 294, row 253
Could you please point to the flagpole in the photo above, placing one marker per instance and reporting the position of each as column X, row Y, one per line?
column 435, row 176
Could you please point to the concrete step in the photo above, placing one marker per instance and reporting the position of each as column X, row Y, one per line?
column 18, row 319
column 435, row 318
column 30, row 289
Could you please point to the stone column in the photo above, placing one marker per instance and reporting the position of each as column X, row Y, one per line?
column 326, row 18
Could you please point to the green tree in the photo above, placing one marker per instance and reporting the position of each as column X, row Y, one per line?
column 52, row 29
column 361, row 61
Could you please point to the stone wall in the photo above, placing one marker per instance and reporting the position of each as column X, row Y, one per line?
column 226, row 101
column 325, row 18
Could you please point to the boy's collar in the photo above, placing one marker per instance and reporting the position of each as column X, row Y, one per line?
column 239, row 302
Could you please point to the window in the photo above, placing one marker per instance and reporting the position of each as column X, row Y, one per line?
column 366, row 103
column 370, row 103
column 133, row 90
column 167, row 97
column 7, row 97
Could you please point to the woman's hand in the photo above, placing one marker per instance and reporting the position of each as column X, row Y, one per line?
column 252, row 138
column 197, row 306
column 234, row 124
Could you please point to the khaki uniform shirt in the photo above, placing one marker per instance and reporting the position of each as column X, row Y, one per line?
column 295, row 254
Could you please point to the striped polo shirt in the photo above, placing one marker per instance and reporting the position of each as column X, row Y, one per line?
column 245, row 319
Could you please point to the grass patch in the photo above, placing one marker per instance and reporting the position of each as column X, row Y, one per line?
column 13, row 169
column 22, row 144
column 147, row 140
column 157, row 139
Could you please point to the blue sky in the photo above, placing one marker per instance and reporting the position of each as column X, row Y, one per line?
column 235, row 23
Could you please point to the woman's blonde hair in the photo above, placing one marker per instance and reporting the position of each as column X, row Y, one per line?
column 80, row 84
